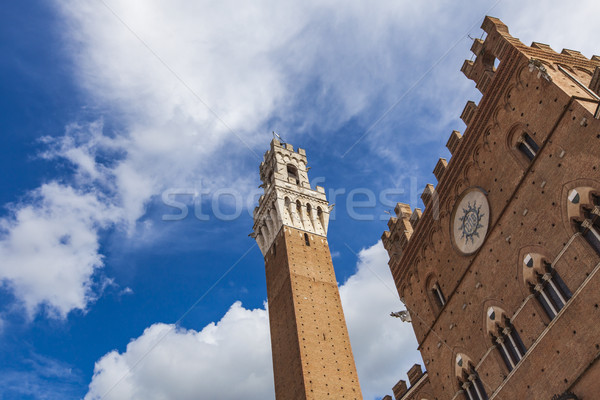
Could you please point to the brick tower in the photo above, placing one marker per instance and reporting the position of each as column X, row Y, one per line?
column 500, row 271
column 312, row 357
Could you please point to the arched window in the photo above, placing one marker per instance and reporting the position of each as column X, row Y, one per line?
column 435, row 294
column 587, row 216
column 505, row 337
column 528, row 146
column 468, row 379
column 320, row 217
column 438, row 295
column 306, row 239
column 547, row 285
column 293, row 174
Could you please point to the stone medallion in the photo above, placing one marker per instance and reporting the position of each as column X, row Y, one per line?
column 470, row 220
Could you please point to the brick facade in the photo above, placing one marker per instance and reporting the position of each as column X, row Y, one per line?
column 518, row 317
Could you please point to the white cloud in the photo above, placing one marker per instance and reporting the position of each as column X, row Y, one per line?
column 184, row 81
column 154, row 67
column 187, row 364
column 49, row 248
column 384, row 347
column 227, row 360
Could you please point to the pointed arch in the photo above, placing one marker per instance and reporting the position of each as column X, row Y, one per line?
column 468, row 379
column 504, row 336
column 522, row 144
column 582, row 205
column 544, row 282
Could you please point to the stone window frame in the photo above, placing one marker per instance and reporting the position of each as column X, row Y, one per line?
column 545, row 283
column 434, row 293
column 522, row 145
column 292, row 172
column 468, row 379
column 505, row 337
column 583, row 211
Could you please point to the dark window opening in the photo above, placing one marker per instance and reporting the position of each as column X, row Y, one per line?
column 293, row 173
column 306, row 239
column 591, row 232
column 509, row 345
column 528, row 146
column 320, row 216
column 551, row 291
column 438, row 295
column 472, row 386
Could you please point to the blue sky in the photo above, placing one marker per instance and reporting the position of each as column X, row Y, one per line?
column 110, row 107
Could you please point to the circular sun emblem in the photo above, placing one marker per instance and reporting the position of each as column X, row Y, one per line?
column 470, row 221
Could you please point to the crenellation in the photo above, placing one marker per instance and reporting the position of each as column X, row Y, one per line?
column 454, row 141
column 400, row 389
column 415, row 217
column 392, row 223
column 414, row 374
column 400, row 231
column 477, row 46
column 469, row 112
column 402, row 210
column 467, row 69
column 499, row 195
column 428, row 194
column 440, row 168
column 491, row 25
column 288, row 199
column 385, row 240
column 542, row 46
column 574, row 53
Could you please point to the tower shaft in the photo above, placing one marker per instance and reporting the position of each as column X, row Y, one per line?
column 312, row 356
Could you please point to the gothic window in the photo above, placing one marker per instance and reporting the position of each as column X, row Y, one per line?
column 469, row 380
column 548, row 287
column 306, row 240
column 293, row 173
column 528, row 146
column 320, row 217
column 588, row 220
column 506, row 338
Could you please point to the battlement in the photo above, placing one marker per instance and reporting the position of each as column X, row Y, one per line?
column 288, row 199
column 415, row 377
column 497, row 58
column 503, row 192
column 490, row 52
column 401, row 228
column 454, row 141
column 275, row 143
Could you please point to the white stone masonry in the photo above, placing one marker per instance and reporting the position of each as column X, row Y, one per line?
column 288, row 199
